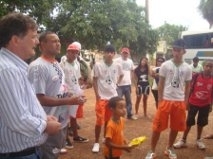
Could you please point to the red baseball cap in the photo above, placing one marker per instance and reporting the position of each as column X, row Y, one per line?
column 73, row 46
column 125, row 49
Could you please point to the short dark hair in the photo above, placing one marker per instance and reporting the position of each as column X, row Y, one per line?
column 160, row 59
column 43, row 35
column 195, row 59
column 113, row 101
column 207, row 61
column 179, row 43
column 109, row 48
column 15, row 24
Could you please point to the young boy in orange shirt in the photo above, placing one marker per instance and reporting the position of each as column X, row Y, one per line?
column 115, row 141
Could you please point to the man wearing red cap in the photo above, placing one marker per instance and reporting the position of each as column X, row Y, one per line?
column 71, row 68
column 124, row 87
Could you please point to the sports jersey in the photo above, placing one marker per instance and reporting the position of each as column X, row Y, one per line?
column 175, row 78
column 48, row 79
column 202, row 91
column 107, row 78
column 72, row 72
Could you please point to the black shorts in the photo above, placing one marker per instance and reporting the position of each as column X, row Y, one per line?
column 203, row 114
column 143, row 90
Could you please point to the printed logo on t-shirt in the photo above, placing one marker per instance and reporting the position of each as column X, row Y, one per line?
column 58, row 70
column 108, row 80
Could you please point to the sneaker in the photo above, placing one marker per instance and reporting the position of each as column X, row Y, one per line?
column 96, row 147
column 200, row 144
column 63, row 151
column 170, row 153
column 69, row 145
column 134, row 117
column 180, row 144
column 80, row 139
column 150, row 155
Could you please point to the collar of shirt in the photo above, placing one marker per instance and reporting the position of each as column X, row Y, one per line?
column 14, row 58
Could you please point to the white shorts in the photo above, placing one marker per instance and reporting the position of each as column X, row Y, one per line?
column 73, row 110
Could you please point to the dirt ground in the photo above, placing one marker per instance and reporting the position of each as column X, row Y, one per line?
column 135, row 128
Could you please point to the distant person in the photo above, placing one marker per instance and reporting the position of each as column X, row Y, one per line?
column 199, row 103
column 141, row 78
column 24, row 125
column 48, row 80
column 124, row 87
column 196, row 66
column 107, row 74
column 115, row 142
column 173, row 91
column 155, row 75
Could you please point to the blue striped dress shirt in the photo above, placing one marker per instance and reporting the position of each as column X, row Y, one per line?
column 22, row 118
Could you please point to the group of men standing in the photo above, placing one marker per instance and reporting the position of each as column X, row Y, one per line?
column 35, row 100
column 38, row 101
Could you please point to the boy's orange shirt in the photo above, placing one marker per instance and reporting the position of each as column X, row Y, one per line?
column 114, row 131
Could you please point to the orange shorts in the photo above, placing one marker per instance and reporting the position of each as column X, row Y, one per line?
column 80, row 111
column 103, row 112
column 175, row 110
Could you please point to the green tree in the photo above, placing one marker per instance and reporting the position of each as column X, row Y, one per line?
column 206, row 8
column 95, row 22
column 92, row 22
column 169, row 32
column 41, row 10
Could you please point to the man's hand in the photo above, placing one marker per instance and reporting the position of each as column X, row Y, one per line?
column 77, row 100
column 53, row 126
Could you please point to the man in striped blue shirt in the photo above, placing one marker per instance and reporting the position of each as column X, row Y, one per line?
column 23, row 123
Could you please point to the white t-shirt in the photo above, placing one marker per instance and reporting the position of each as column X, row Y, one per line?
column 72, row 74
column 48, row 79
column 107, row 77
column 154, row 84
column 197, row 69
column 127, row 66
column 175, row 78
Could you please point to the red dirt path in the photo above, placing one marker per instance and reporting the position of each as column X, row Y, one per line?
column 135, row 128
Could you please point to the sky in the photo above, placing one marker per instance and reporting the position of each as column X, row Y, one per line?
column 177, row 12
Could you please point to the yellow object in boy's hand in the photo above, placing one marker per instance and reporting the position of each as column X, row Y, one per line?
column 137, row 141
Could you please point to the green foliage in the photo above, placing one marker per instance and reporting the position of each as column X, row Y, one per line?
column 206, row 8
column 169, row 32
column 91, row 22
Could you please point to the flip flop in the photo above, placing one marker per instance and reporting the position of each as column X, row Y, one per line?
column 208, row 136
